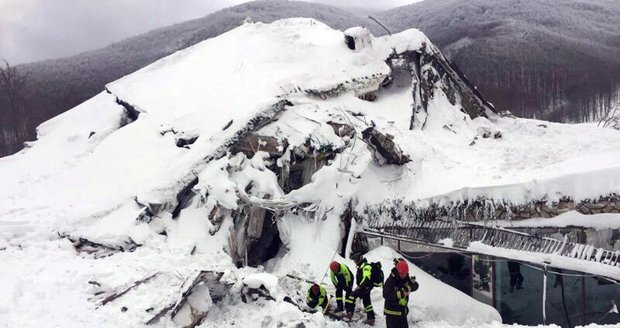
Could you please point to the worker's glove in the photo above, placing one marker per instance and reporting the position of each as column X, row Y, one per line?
column 402, row 302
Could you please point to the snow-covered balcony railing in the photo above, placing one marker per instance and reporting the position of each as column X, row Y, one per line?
column 453, row 234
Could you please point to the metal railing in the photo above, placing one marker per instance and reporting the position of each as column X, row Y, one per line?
column 446, row 233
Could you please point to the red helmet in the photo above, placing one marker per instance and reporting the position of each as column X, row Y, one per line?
column 315, row 289
column 402, row 267
column 334, row 266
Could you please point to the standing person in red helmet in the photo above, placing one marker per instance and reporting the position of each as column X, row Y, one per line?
column 396, row 292
column 342, row 278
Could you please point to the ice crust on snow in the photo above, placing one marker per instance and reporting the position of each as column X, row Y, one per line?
column 568, row 219
column 87, row 172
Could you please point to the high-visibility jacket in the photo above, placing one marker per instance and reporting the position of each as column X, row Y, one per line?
column 343, row 279
column 364, row 275
column 314, row 300
column 395, row 293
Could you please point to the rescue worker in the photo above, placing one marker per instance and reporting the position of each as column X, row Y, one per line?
column 396, row 292
column 342, row 278
column 317, row 296
column 364, row 281
column 516, row 278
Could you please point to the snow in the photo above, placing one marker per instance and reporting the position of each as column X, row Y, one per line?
column 73, row 182
column 568, row 219
column 269, row 281
column 114, row 228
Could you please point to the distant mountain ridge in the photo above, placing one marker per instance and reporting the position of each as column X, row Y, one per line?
column 551, row 59
column 563, row 67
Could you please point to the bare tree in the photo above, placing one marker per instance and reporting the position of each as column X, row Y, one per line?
column 13, row 119
column 12, row 83
column 611, row 118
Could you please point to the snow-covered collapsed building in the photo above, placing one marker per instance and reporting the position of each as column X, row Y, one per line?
column 268, row 148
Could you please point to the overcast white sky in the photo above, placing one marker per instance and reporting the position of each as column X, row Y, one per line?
column 32, row 30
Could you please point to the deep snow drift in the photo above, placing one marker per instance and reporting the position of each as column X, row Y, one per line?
column 98, row 173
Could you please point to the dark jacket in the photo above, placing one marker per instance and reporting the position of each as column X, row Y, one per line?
column 343, row 279
column 394, row 293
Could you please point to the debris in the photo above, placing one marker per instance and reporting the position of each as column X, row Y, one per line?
column 342, row 130
column 186, row 141
column 253, row 294
column 116, row 295
column 159, row 314
column 216, row 218
column 83, row 245
column 326, row 93
column 189, row 311
column 484, row 132
column 184, row 197
column 384, row 150
column 253, row 143
column 449, row 129
column 368, row 96
column 227, row 125
column 487, row 133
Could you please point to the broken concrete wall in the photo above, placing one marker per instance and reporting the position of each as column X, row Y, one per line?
column 383, row 148
column 254, row 143
column 431, row 71
column 437, row 68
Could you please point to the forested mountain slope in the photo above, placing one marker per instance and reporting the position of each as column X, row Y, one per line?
column 551, row 59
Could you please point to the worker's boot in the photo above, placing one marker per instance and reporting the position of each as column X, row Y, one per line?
column 348, row 316
column 370, row 322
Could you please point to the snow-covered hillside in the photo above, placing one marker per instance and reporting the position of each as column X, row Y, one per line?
column 158, row 177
